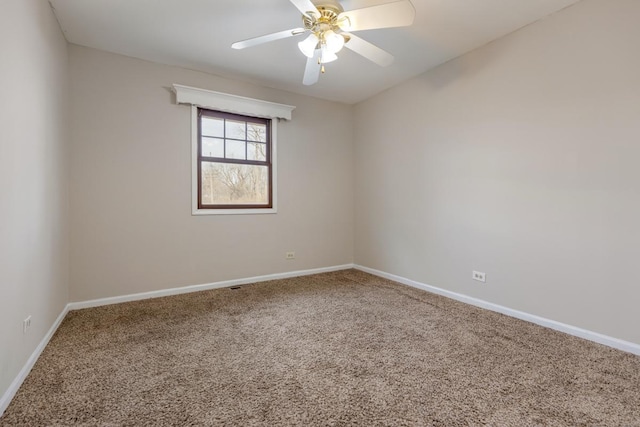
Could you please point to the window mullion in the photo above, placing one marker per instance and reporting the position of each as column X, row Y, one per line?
column 224, row 138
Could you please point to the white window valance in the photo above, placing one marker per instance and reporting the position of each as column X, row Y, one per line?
column 231, row 103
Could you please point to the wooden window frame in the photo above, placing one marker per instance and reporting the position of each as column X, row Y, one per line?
column 204, row 112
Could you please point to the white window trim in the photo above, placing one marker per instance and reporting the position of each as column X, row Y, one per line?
column 238, row 105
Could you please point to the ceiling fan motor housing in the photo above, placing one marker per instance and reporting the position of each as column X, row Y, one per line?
column 328, row 19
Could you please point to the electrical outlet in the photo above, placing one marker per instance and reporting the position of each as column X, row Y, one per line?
column 290, row 255
column 26, row 324
column 479, row 276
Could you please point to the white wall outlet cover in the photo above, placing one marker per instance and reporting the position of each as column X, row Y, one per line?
column 26, row 324
column 479, row 276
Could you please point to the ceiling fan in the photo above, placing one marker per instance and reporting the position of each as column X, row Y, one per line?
column 330, row 29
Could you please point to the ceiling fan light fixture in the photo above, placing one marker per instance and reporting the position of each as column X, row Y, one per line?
column 308, row 45
column 327, row 56
column 334, row 41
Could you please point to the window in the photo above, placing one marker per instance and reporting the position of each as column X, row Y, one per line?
column 233, row 151
column 234, row 161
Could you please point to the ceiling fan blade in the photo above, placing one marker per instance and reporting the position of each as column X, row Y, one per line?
column 312, row 70
column 370, row 51
column 267, row 38
column 397, row 14
column 306, row 7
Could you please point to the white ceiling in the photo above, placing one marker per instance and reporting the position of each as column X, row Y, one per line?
column 198, row 34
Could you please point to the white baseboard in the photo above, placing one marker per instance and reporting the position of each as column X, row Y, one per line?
column 552, row 324
column 6, row 398
column 203, row 287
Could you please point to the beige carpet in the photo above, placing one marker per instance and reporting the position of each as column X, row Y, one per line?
column 335, row 349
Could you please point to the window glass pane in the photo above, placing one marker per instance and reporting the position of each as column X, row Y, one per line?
column 235, row 150
column 256, row 132
column 236, row 129
column 212, row 147
column 212, row 127
column 234, row 184
column 256, row 151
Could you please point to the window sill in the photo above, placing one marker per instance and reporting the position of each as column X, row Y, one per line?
column 198, row 212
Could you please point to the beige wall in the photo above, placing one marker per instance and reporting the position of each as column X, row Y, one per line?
column 521, row 160
column 131, row 185
column 33, row 179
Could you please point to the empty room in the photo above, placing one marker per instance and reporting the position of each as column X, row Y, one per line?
column 320, row 212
